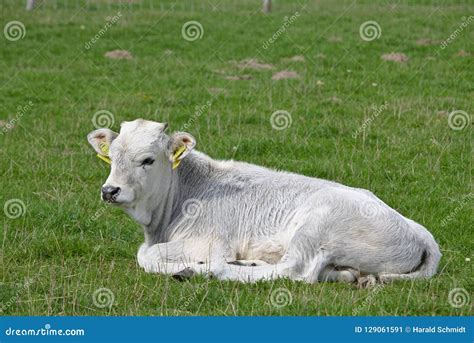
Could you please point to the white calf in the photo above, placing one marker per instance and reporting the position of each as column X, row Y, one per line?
column 244, row 222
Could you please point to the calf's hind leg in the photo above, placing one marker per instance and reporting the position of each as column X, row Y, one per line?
column 295, row 264
column 292, row 266
column 332, row 274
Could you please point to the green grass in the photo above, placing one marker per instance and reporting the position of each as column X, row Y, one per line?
column 408, row 155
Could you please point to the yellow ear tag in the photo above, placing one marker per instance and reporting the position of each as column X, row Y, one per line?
column 104, row 158
column 176, row 155
column 104, row 147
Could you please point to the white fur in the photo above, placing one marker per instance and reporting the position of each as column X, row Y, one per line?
column 274, row 224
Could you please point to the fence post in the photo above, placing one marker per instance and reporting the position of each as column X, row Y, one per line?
column 30, row 4
column 267, row 6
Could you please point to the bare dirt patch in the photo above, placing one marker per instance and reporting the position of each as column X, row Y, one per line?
column 285, row 74
column 463, row 53
column 252, row 63
column 220, row 71
column 395, row 57
column 119, row 55
column 297, row 58
column 238, row 77
column 335, row 39
column 426, row 42
column 217, row 91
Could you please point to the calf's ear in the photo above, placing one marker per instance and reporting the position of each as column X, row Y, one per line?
column 101, row 139
column 180, row 144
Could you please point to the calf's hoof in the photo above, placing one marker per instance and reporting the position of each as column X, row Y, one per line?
column 347, row 276
column 184, row 274
column 366, row 281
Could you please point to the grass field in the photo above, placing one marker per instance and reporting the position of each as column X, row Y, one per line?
column 355, row 118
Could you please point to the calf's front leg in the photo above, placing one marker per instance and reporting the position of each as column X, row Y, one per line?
column 178, row 258
column 153, row 260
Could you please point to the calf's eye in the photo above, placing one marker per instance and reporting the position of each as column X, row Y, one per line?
column 147, row 162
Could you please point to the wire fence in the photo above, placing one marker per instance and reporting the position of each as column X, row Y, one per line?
column 185, row 6
column 199, row 5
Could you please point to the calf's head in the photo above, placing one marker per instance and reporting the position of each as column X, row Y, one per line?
column 142, row 158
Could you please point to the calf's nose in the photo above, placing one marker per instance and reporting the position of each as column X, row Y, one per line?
column 110, row 192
